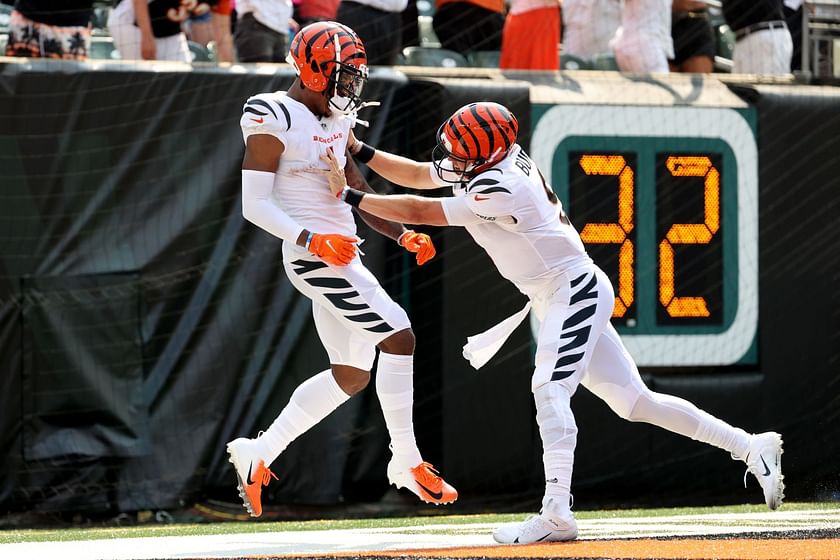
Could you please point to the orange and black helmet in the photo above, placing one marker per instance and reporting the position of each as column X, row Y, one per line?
column 476, row 137
column 330, row 57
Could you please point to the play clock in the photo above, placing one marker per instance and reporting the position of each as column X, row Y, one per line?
column 666, row 201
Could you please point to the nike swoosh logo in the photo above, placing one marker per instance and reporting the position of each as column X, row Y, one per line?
column 258, row 121
column 435, row 495
column 249, row 480
column 479, row 198
column 330, row 245
column 516, row 540
column 766, row 468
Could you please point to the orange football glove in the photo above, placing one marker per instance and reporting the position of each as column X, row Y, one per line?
column 419, row 243
column 333, row 248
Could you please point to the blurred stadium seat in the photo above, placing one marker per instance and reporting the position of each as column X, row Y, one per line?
column 199, row 53
column 102, row 48
column 604, row 61
column 724, row 41
column 5, row 16
column 484, row 59
column 426, row 7
column 427, row 56
column 99, row 21
column 428, row 38
column 572, row 62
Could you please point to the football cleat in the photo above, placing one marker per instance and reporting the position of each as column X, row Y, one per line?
column 424, row 481
column 251, row 474
column 549, row 526
column 764, row 461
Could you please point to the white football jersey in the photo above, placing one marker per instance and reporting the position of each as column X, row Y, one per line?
column 507, row 211
column 299, row 191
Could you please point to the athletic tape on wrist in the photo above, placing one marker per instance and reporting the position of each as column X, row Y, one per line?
column 352, row 196
column 365, row 153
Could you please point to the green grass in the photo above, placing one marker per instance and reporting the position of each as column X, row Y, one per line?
column 36, row 535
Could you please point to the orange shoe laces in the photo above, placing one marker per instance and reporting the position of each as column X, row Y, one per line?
column 429, row 476
column 266, row 474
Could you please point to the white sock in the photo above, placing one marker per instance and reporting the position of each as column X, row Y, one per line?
column 312, row 401
column 715, row 431
column 395, row 389
column 558, row 431
column 682, row 417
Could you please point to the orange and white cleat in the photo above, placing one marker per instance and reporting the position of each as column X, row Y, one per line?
column 251, row 473
column 424, row 481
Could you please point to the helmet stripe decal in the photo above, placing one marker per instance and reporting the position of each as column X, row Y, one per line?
column 485, row 127
column 497, row 121
column 462, row 138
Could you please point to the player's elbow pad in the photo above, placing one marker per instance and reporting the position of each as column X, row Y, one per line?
column 258, row 208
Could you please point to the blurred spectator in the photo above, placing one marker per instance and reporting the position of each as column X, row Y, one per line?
column 221, row 30
column 379, row 25
column 467, row 25
column 643, row 42
column 589, row 26
column 262, row 30
column 793, row 16
column 763, row 44
column 199, row 28
column 213, row 28
column 50, row 29
column 310, row 11
column 531, row 36
column 151, row 29
column 693, row 36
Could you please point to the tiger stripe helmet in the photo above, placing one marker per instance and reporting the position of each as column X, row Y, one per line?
column 476, row 137
column 327, row 53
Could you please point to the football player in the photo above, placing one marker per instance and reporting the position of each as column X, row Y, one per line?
column 506, row 204
column 285, row 134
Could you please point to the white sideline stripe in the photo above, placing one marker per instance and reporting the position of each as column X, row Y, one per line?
column 411, row 536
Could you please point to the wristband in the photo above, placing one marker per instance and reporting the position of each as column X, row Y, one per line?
column 308, row 240
column 365, row 153
column 352, row 196
column 400, row 238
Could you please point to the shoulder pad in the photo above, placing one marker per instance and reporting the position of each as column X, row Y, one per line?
column 261, row 110
column 488, row 182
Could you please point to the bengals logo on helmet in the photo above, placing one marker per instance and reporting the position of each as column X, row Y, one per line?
column 476, row 137
column 322, row 49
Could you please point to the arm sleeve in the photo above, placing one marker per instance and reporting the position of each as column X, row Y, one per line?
column 258, row 208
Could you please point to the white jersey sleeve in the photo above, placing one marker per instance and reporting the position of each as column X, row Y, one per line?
column 485, row 199
column 263, row 114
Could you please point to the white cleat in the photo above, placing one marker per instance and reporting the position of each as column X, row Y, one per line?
column 548, row 526
column 251, row 474
column 764, row 461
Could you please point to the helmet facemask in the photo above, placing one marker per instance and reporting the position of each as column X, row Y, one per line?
column 347, row 82
column 453, row 164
